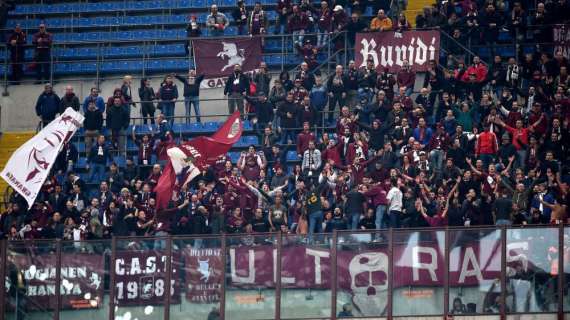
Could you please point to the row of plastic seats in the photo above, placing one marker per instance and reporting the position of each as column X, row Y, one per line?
column 135, row 35
column 120, row 35
column 125, row 5
column 503, row 51
column 159, row 50
column 134, row 66
column 75, row 22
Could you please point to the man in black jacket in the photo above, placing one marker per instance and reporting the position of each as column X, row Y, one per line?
column 191, row 93
column 236, row 89
column 117, row 121
column 263, row 109
column 69, row 100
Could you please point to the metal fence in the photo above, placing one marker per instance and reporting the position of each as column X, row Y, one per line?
column 395, row 273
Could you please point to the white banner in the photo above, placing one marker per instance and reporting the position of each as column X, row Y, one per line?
column 30, row 165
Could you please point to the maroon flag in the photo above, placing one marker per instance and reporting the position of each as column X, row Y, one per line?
column 217, row 58
column 82, row 277
column 188, row 160
column 390, row 49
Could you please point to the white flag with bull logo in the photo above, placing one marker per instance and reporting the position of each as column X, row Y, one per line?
column 29, row 165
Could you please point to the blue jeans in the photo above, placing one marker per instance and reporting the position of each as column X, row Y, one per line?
column 315, row 223
column 298, row 37
column 168, row 111
column 436, row 159
column 503, row 222
column 354, row 220
column 96, row 172
column 188, row 101
column 380, row 212
column 394, row 218
column 322, row 39
column 287, row 133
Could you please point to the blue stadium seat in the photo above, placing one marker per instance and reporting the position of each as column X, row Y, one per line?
column 80, row 146
column 247, row 125
column 145, row 129
column 196, row 127
column 198, row 3
column 252, row 140
column 62, row 68
column 234, row 156
column 131, row 146
column 183, row 4
column 292, row 156
column 120, row 161
column 211, row 126
column 81, row 163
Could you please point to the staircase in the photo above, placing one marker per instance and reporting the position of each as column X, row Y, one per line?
column 414, row 8
column 9, row 142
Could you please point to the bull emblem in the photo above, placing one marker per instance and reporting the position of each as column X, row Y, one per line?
column 204, row 269
column 234, row 55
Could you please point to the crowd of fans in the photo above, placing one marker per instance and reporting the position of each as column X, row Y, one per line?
column 478, row 145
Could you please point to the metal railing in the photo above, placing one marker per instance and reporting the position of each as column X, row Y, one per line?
column 389, row 273
column 148, row 54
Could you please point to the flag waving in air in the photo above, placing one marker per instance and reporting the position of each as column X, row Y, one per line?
column 29, row 166
column 190, row 158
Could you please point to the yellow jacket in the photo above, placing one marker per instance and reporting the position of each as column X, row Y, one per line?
column 378, row 24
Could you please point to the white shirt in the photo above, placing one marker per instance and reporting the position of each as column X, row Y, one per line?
column 395, row 198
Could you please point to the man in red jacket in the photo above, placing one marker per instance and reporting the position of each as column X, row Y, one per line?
column 378, row 193
column 486, row 146
column 303, row 139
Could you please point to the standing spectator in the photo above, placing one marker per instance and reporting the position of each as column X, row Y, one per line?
column 402, row 24
column 98, row 157
column 168, row 94
column 394, row 198
column 319, row 97
column 354, row 26
column 95, row 98
column 311, row 161
column 240, row 17
column 16, row 42
column 117, row 121
column 406, row 77
column 355, row 206
column 69, row 100
column 42, row 41
column 191, row 93
column 303, row 139
column 193, row 30
column 381, row 22
column 337, row 91
column 47, row 106
column 236, row 89
column 339, row 20
column 288, row 114
column 262, row 78
column 491, row 23
column 93, row 124
column 297, row 24
column 284, row 9
column 486, row 146
column 216, row 22
column 147, row 96
column 127, row 93
column 263, row 109
column 257, row 22
column 324, row 24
